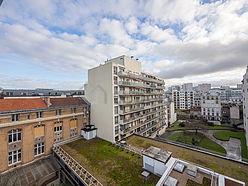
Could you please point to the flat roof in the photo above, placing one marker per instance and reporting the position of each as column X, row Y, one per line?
column 226, row 167
column 157, row 154
column 29, row 174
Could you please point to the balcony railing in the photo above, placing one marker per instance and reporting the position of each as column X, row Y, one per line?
column 122, row 102
column 128, row 83
column 140, row 93
column 132, row 119
column 141, row 108
column 124, row 131
column 136, row 76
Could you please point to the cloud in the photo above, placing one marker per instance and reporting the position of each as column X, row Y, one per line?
column 173, row 39
column 197, row 58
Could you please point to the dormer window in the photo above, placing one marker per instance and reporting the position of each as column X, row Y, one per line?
column 58, row 112
column 15, row 117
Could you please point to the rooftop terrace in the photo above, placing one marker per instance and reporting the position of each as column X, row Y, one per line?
column 226, row 167
column 109, row 164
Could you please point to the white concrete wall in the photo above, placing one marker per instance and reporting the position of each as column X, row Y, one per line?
column 173, row 114
column 234, row 112
column 99, row 93
column 245, row 104
column 159, row 167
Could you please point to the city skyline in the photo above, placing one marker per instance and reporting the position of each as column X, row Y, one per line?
column 198, row 41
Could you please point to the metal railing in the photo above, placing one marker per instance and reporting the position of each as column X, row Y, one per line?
column 78, row 170
column 136, row 76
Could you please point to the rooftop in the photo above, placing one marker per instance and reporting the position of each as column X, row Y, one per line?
column 31, row 174
column 110, row 164
column 71, row 101
column 21, row 104
column 158, row 154
column 223, row 166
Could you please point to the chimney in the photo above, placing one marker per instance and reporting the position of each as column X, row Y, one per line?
column 47, row 100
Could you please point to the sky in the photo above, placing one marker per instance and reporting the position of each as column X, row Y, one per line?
column 53, row 43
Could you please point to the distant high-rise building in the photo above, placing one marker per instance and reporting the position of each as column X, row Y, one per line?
column 187, row 86
column 124, row 100
column 204, row 87
column 245, row 103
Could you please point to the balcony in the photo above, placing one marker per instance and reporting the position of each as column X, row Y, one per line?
column 136, row 76
column 134, row 84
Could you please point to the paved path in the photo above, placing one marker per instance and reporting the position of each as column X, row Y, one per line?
column 232, row 147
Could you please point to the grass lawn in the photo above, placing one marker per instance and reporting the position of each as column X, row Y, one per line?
column 175, row 126
column 201, row 141
column 109, row 164
column 223, row 166
column 225, row 135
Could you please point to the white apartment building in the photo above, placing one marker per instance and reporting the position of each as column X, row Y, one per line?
column 124, row 100
column 245, row 103
column 211, row 107
column 183, row 99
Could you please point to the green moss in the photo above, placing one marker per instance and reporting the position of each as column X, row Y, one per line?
column 111, row 163
column 225, row 136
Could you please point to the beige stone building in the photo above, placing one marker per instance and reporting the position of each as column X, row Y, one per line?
column 30, row 127
column 124, row 100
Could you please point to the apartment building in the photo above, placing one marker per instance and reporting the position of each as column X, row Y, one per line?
column 30, row 127
column 245, row 103
column 187, row 86
column 183, row 99
column 203, row 88
column 124, row 100
column 211, row 107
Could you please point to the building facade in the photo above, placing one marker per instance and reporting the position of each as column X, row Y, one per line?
column 211, row 107
column 183, row 99
column 124, row 100
column 245, row 104
column 187, row 86
column 30, row 127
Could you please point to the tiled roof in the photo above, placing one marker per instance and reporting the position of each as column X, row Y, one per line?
column 21, row 104
column 62, row 102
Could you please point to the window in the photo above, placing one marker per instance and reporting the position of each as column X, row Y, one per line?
column 85, row 112
column 15, row 156
column 116, row 100
column 115, row 69
column 28, row 116
column 58, row 136
column 73, row 128
column 39, row 130
column 58, row 112
column 116, row 119
column 115, row 90
column 116, row 109
column 15, row 135
column 38, row 114
column 39, row 149
column 116, row 129
column 115, row 80
column 73, row 110
column 15, row 117
column 58, row 128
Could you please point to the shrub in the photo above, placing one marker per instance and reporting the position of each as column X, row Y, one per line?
column 182, row 124
column 210, row 124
